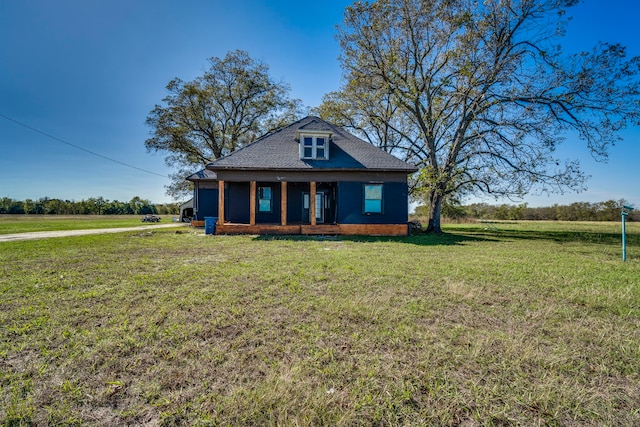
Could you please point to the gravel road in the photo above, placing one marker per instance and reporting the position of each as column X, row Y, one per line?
column 66, row 233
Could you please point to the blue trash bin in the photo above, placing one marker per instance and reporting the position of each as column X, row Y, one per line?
column 210, row 224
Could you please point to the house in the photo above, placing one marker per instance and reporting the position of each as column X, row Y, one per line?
column 310, row 177
column 186, row 211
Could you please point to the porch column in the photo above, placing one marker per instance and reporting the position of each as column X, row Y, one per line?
column 283, row 203
column 312, row 202
column 252, row 204
column 221, row 202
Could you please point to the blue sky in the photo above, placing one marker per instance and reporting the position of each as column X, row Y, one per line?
column 89, row 72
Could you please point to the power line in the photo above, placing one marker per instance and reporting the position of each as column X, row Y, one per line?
column 81, row 148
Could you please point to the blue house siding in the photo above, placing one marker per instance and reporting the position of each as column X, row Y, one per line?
column 294, row 201
column 207, row 202
column 351, row 204
column 236, row 204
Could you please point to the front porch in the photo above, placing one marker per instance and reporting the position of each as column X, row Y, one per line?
column 318, row 229
column 282, row 207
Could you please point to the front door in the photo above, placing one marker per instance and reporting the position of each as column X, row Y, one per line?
column 320, row 207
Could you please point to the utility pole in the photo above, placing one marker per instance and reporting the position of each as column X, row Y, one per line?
column 625, row 212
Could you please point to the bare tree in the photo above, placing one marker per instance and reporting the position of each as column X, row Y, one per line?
column 487, row 90
column 370, row 115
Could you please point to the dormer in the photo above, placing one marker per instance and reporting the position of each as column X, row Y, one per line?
column 314, row 145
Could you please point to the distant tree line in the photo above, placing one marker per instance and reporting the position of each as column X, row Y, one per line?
column 91, row 206
column 579, row 211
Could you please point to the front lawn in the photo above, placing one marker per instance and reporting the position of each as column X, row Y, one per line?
column 521, row 326
column 10, row 224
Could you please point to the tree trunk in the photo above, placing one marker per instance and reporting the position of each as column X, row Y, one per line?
column 435, row 207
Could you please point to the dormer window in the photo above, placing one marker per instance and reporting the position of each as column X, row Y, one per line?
column 314, row 146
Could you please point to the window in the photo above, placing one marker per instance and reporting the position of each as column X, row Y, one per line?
column 314, row 147
column 308, row 148
column 372, row 199
column 320, row 148
column 264, row 199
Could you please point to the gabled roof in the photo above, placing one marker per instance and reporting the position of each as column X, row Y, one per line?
column 201, row 175
column 315, row 125
column 279, row 150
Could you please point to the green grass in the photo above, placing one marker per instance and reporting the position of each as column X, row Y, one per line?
column 10, row 224
column 534, row 324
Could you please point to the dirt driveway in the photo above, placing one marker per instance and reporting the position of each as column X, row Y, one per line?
column 66, row 233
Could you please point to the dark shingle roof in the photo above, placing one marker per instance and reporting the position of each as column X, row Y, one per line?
column 201, row 175
column 279, row 150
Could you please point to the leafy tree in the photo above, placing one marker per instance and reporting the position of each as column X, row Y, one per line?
column 91, row 206
column 452, row 208
column 16, row 207
column 609, row 210
column 232, row 104
column 29, row 206
column 481, row 92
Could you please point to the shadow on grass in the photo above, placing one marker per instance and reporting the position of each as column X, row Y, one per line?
column 558, row 236
column 422, row 239
column 455, row 236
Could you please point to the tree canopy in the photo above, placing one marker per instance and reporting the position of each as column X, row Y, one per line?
column 91, row 206
column 233, row 103
column 479, row 94
column 609, row 210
